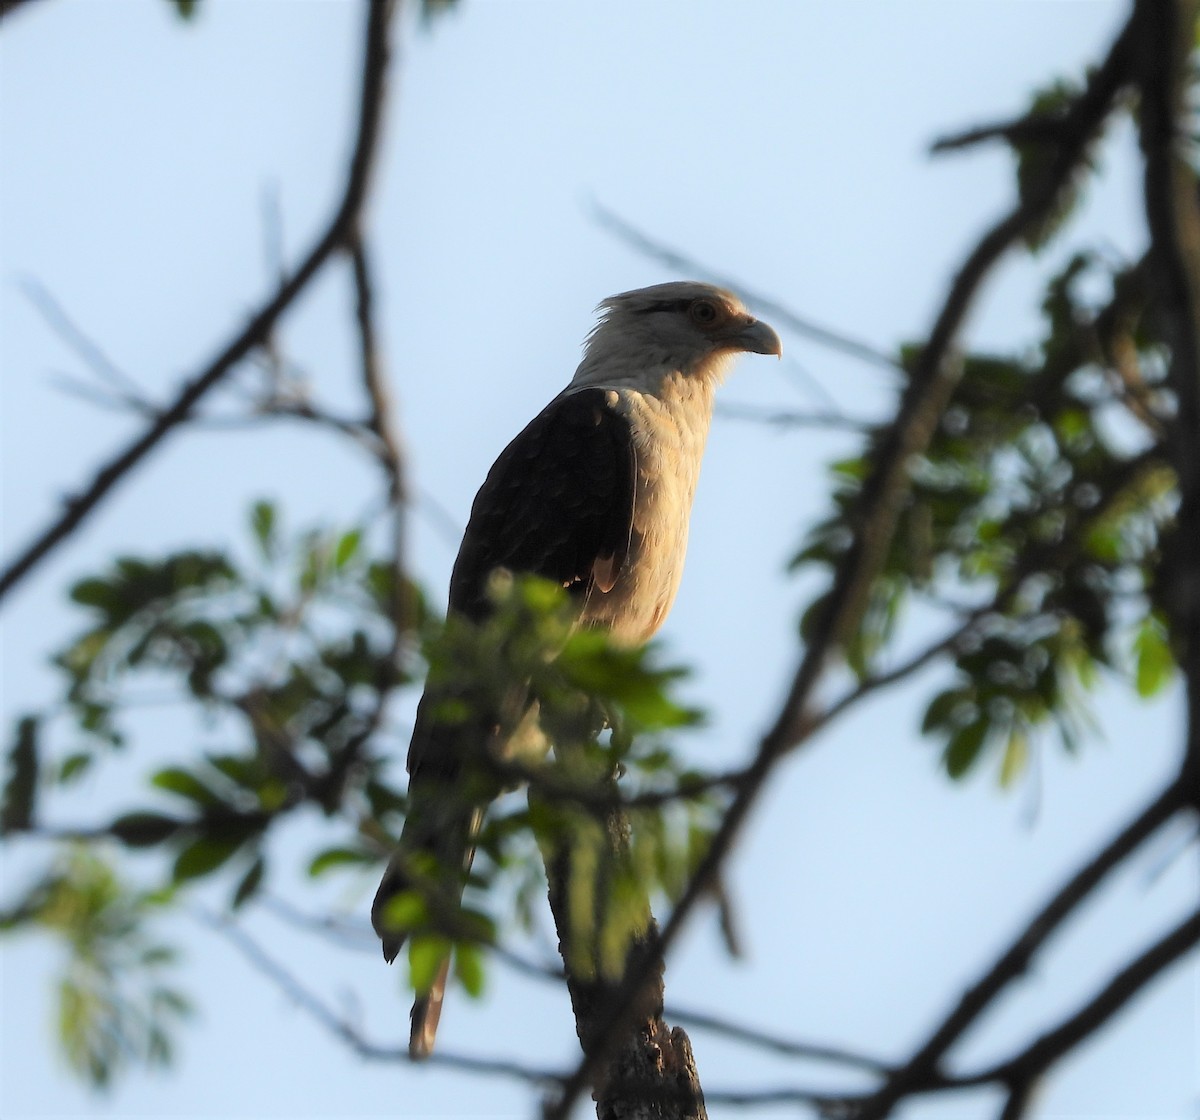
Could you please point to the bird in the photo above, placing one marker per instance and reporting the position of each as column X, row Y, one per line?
column 594, row 494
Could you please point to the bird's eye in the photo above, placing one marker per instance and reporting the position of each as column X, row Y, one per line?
column 704, row 312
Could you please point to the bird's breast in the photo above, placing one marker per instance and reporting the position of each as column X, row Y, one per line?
column 668, row 437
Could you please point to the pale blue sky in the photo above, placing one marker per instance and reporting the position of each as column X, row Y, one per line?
column 783, row 143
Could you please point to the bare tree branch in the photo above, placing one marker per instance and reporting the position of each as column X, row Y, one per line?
column 1167, row 31
column 1039, row 1056
column 7, row 7
column 341, row 231
column 316, row 1008
column 922, row 1071
column 1025, row 130
column 903, row 671
column 787, row 1047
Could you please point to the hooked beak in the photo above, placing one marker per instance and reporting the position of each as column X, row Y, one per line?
column 757, row 338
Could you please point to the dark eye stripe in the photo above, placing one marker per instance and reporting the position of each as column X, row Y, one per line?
column 668, row 305
column 676, row 305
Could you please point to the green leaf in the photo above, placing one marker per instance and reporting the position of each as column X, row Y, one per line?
column 74, row 766
column 964, row 747
column 95, row 592
column 20, row 787
column 183, row 783
column 426, row 955
column 1016, row 758
column 1154, row 664
column 185, row 9
column 942, row 708
column 144, row 830
column 406, row 912
column 250, row 883
column 262, row 524
column 468, row 968
column 204, row 856
column 337, row 857
column 346, row 549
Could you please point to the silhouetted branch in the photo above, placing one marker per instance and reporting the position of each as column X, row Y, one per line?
column 341, row 231
column 7, row 7
column 1167, row 33
column 790, row 1048
column 1019, row 1099
column 903, row 671
column 923, row 1069
column 316, row 1008
column 1027, row 1067
column 1025, row 130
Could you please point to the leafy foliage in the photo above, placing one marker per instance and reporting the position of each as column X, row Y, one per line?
column 603, row 709
column 116, row 1005
column 1037, row 519
column 291, row 659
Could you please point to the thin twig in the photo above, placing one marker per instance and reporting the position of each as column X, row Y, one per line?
column 761, row 1040
column 903, row 671
column 317, row 1009
column 339, row 931
column 87, row 348
column 813, row 418
column 1035, row 129
column 341, row 229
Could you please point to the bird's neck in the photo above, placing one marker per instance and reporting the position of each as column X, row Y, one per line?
column 655, row 376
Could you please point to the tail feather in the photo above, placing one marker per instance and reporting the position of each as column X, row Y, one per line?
column 443, row 822
column 426, row 1011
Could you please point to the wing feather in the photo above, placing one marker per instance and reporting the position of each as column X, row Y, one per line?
column 557, row 503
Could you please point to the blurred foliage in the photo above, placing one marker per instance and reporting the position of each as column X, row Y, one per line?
column 605, row 709
column 116, row 1006
column 432, row 10
column 185, row 9
column 1036, row 152
column 289, row 661
column 1036, row 520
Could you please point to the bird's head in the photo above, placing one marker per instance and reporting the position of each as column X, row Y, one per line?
column 680, row 327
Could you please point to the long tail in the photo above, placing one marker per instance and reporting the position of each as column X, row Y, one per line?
column 437, row 838
column 427, row 1007
column 426, row 1012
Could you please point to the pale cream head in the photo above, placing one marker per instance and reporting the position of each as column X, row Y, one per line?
column 683, row 326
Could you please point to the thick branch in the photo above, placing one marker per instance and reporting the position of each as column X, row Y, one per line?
column 649, row 1072
column 340, row 232
column 1166, row 35
column 7, row 7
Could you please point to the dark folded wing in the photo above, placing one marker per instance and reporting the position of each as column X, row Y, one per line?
column 557, row 503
